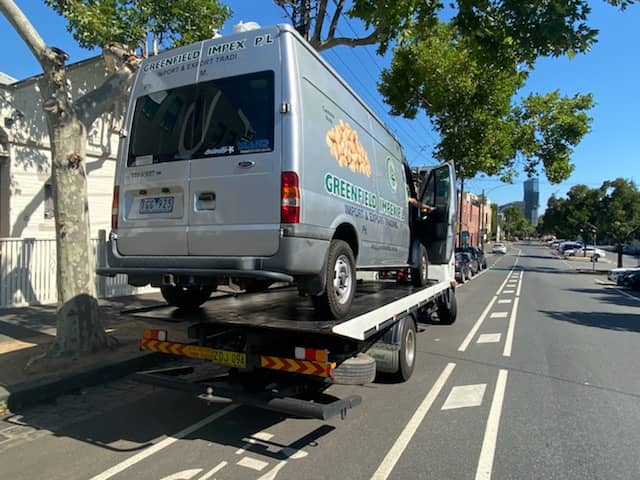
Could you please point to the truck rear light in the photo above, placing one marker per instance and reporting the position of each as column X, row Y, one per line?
column 155, row 334
column 311, row 354
column 290, row 194
column 115, row 205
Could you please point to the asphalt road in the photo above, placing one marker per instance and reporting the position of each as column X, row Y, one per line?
column 538, row 378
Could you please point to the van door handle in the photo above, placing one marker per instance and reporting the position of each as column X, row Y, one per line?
column 207, row 197
column 246, row 164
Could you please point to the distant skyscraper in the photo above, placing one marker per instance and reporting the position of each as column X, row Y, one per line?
column 531, row 200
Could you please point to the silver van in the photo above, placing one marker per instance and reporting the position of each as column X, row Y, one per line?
column 248, row 159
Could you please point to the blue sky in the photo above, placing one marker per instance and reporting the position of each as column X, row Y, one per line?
column 611, row 71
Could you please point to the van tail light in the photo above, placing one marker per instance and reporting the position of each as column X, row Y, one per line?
column 115, row 205
column 290, row 194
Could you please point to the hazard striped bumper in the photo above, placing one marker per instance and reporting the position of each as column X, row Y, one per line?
column 305, row 367
column 221, row 357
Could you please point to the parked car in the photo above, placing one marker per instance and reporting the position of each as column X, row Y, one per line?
column 471, row 262
column 615, row 273
column 634, row 281
column 463, row 270
column 477, row 253
column 499, row 248
column 591, row 252
column 564, row 246
column 624, row 278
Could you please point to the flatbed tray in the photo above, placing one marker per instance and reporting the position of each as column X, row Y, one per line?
column 284, row 309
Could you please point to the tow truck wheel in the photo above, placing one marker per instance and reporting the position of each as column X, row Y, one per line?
column 340, row 288
column 419, row 274
column 186, row 298
column 407, row 353
column 448, row 307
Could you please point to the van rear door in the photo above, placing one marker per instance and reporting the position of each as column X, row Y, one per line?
column 234, row 203
column 154, row 167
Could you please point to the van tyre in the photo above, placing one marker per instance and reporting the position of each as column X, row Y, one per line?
column 340, row 288
column 448, row 308
column 358, row 370
column 407, row 353
column 419, row 275
column 186, row 298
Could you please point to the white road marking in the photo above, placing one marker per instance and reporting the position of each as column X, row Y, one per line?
column 489, row 338
column 499, row 315
column 465, row 396
column 213, row 471
column 392, row 457
column 627, row 294
column 271, row 474
column 485, row 462
column 184, row 475
column 252, row 463
column 508, row 343
column 504, row 300
column 264, row 436
column 519, row 285
column 476, row 327
column 509, row 291
column 163, row 444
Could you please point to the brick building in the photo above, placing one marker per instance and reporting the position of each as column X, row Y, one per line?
column 471, row 224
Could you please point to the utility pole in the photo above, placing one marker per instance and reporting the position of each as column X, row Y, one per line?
column 461, row 207
column 482, row 222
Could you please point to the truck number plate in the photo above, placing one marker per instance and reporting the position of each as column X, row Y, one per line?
column 156, row 205
column 230, row 359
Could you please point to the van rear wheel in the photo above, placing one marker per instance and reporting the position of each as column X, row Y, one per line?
column 419, row 274
column 340, row 287
column 186, row 298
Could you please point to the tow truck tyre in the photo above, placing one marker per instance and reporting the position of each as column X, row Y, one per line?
column 419, row 275
column 407, row 353
column 358, row 370
column 335, row 301
column 448, row 307
column 186, row 298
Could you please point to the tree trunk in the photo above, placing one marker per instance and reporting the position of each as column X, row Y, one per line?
column 79, row 326
column 619, row 250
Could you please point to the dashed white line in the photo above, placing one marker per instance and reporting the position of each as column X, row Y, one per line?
column 489, row 338
column 252, row 463
column 464, row 396
column 499, row 315
column 476, row 327
column 163, row 444
column 509, row 291
column 508, row 343
column 485, row 462
column 392, row 457
column 504, row 300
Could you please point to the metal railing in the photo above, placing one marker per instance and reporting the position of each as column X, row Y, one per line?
column 28, row 272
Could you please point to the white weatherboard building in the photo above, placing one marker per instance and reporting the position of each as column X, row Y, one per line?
column 26, row 202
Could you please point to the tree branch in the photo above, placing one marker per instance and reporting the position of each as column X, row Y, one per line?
column 334, row 20
column 99, row 101
column 349, row 42
column 26, row 31
column 322, row 12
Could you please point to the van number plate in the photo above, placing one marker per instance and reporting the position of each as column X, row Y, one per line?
column 156, row 205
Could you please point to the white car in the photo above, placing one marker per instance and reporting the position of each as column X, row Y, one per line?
column 499, row 248
column 591, row 251
column 614, row 273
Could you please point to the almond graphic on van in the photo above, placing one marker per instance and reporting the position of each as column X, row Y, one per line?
column 345, row 147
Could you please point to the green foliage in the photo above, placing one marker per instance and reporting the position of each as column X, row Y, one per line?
column 515, row 224
column 94, row 23
column 614, row 209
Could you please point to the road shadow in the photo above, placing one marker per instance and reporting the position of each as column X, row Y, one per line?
column 621, row 322
column 610, row 295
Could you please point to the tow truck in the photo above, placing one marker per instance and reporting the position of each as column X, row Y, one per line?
column 278, row 355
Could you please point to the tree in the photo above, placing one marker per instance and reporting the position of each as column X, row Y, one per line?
column 122, row 29
column 613, row 209
column 515, row 224
column 465, row 73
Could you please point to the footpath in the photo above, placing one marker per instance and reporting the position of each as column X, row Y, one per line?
column 27, row 332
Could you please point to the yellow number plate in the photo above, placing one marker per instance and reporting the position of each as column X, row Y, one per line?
column 222, row 357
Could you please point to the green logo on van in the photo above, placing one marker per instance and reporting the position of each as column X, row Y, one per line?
column 391, row 174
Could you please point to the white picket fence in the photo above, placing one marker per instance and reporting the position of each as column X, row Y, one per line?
column 28, row 273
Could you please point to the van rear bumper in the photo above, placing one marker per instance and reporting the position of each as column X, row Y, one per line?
column 296, row 256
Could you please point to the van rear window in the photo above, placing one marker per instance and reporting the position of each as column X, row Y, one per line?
column 227, row 116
